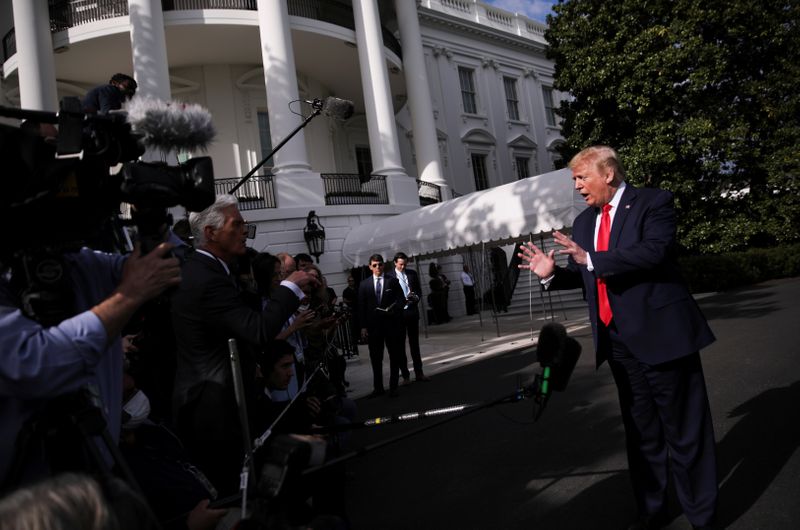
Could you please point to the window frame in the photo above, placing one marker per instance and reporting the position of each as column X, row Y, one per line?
column 483, row 157
column 512, row 100
column 469, row 94
column 549, row 106
column 526, row 164
column 358, row 152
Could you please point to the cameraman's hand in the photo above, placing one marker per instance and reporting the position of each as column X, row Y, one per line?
column 143, row 278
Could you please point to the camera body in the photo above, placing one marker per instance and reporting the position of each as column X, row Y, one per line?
column 61, row 192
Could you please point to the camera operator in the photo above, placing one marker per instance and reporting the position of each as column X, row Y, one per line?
column 41, row 362
column 110, row 96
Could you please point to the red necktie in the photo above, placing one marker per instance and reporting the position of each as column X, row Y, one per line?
column 602, row 244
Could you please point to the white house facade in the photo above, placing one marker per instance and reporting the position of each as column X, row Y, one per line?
column 450, row 96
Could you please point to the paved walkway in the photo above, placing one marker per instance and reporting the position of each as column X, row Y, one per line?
column 462, row 341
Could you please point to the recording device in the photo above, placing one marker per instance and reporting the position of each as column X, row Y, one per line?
column 412, row 298
column 336, row 108
column 342, row 310
column 59, row 193
column 170, row 125
column 558, row 354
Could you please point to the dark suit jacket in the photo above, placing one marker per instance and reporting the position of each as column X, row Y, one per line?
column 369, row 316
column 414, row 285
column 654, row 312
column 207, row 310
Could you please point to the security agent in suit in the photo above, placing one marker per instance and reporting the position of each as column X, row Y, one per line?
column 380, row 307
column 412, row 291
column 207, row 310
column 650, row 331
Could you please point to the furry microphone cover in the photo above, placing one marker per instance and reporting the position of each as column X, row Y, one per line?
column 170, row 125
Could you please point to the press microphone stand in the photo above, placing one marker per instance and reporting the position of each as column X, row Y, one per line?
column 317, row 106
column 538, row 390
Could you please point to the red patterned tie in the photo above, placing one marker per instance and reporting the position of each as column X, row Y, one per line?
column 602, row 244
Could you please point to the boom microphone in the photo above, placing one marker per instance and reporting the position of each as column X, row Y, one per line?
column 336, row 108
column 170, row 125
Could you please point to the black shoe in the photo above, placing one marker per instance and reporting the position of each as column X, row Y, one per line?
column 422, row 378
column 393, row 393
column 376, row 393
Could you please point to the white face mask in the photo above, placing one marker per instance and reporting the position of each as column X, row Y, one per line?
column 136, row 410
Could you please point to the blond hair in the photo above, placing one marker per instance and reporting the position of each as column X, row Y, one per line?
column 603, row 156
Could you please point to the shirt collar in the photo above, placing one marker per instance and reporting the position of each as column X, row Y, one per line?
column 212, row 256
column 615, row 200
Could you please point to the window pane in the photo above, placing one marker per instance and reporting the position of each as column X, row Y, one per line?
column 467, row 81
column 265, row 138
column 549, row 111
column 479, row 171
column 510, row 85
column 363, row 161
column 523, row 167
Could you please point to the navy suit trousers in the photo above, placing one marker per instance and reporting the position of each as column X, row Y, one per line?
column 668, row 427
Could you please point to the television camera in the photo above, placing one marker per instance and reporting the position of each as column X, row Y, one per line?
column 62, row 190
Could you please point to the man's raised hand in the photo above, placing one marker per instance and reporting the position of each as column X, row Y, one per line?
column 540, row 263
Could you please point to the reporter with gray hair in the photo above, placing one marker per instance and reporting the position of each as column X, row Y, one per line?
column 207, row 310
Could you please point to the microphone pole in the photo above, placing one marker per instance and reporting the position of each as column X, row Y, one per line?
column 460, row 410
column 317, row 106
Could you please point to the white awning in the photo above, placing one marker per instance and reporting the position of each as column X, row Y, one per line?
column 497, row 216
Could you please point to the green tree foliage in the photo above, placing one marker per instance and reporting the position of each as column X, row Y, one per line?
column 700, row 97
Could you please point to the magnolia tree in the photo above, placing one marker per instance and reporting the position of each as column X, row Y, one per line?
column 700, row 97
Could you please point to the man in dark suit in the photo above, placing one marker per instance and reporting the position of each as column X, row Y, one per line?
column 647, row 326
column 207, row 310
column 380, row 307
column 412, row 291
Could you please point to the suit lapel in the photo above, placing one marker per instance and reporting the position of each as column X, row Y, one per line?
column 583, row 228
column 625, row 204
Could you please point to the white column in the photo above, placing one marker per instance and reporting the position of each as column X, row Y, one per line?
column 36, row 71
column 381, row 124
column 149, row 48
column 426, row 143
column 280, row 78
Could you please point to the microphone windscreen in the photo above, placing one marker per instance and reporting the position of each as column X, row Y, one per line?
column 339, row 109
column 558, row 351
column 170, row 125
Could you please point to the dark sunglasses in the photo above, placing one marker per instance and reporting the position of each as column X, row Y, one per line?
column 373, row 265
